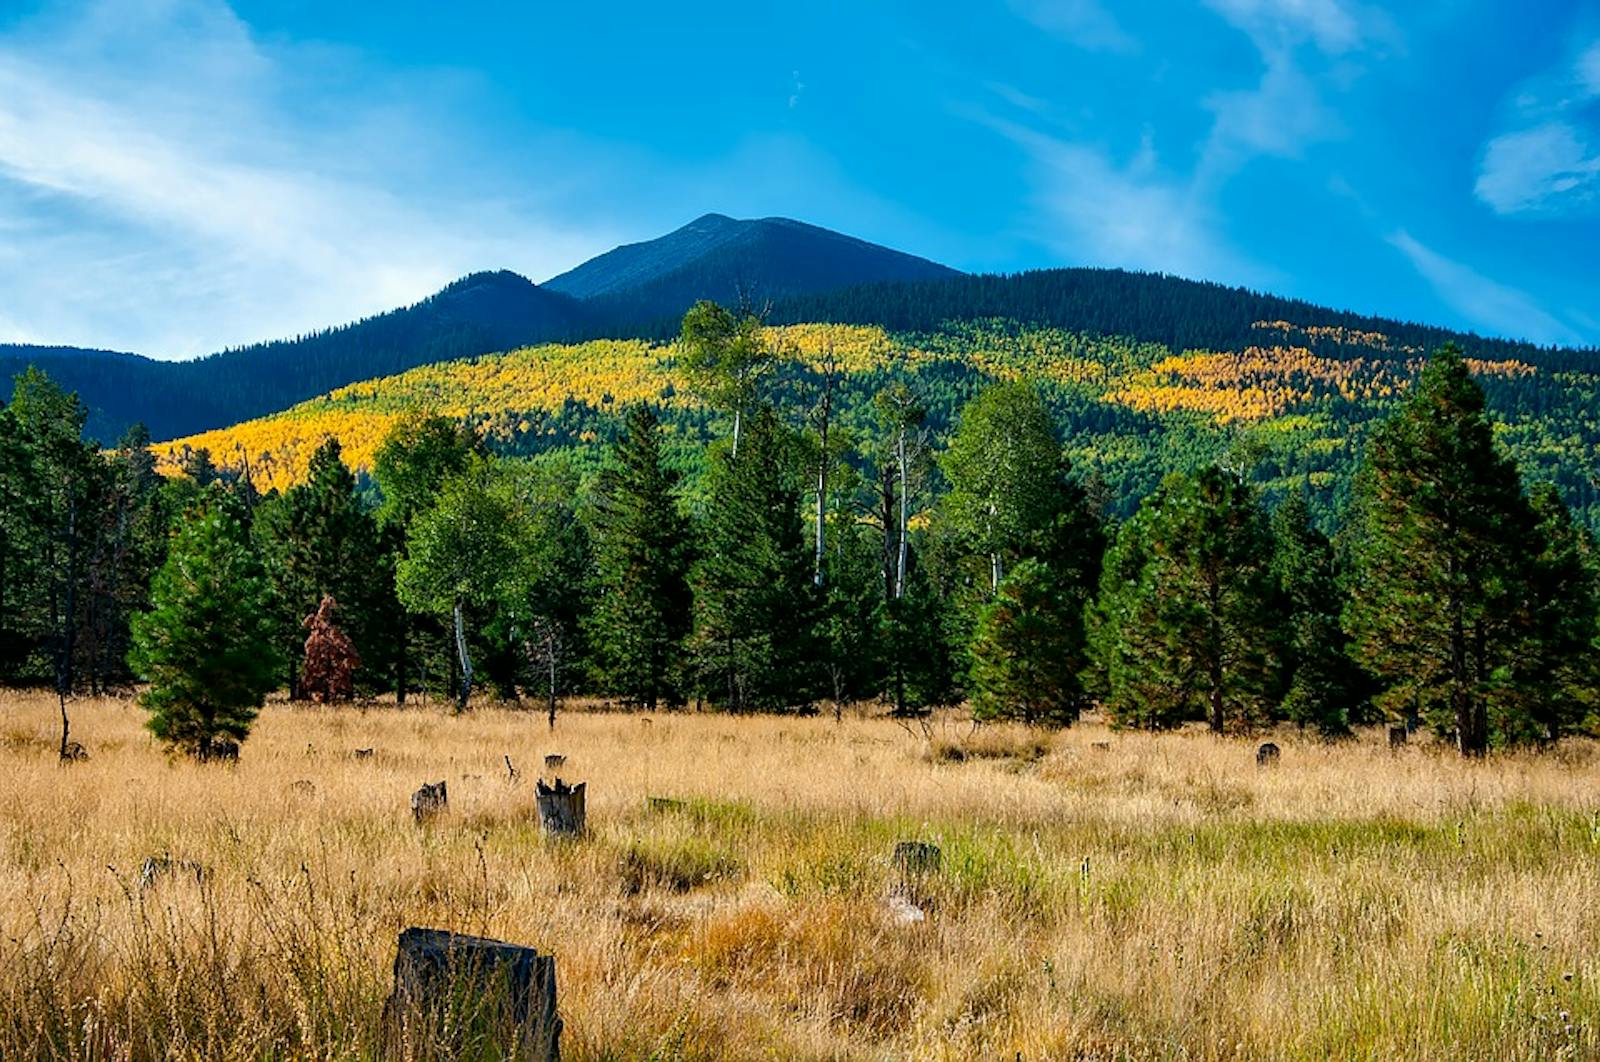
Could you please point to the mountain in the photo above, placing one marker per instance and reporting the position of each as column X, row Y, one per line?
column 1290, row 401
column 626, row 291
column 478, row 313
column 720, row 258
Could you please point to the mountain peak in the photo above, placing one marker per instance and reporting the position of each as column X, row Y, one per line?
column 723, row 258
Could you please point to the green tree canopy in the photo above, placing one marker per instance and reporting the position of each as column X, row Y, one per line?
column 206, row 645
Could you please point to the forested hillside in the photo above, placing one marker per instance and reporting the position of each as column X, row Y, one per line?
column 1287, row 404
column 796, row 273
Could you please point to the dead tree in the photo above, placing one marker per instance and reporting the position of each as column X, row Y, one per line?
column 328, row 674
column 429, row 801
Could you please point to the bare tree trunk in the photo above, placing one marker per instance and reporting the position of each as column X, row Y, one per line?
column 466, row 661
column 905, row 505
column 738, row 417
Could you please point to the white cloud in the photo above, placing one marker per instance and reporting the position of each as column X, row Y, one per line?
column 1334, row 26
column 169, row 194
column 1279, row 117
column 1086, row 23
column 1589, row 69
column 1488, row 304
column 1098, row 212
column 1547, row 160
column 1549, row 166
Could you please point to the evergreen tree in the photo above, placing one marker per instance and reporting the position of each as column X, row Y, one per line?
column 323, row 542
column 754, row 598
column 1558, row 672
column 1184, row 621
column 642, row 609
column 1028, row 651
column 1438, row 592
column 1318, row 676
column 206, row 645
column 331, row 660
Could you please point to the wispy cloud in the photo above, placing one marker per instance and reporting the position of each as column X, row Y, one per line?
column 1334, row 26
column 1085, row 23
column 1095, row 210
column 155, row 154
column 1548, row 162
column 1495, row 307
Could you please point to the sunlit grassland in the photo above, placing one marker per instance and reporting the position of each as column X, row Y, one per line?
column 1157, row 898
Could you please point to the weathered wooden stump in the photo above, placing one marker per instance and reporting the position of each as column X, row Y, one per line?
column 429, row 801
column 1267, row 755
column 664, row 803
column 363, row 754
column 1102, row 746
column 561, row 808
column 460, row 996
column 1397, row 737
column 554, row 762
column 304, row 787
column 74, row 753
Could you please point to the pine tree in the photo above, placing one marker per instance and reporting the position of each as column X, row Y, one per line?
column 1028, row 651
column 642, row 610
column 1558, row 670
column 1318, row 676
column 329, row 672
column 754, row 598
column 1437, row 610
column 1184, row 623
column 206, row 645
column 322, row 542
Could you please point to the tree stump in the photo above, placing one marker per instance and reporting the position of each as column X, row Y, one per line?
column 429, row 801
column 458, row 996
column 363, row 754
column 1397, row 737
column 914, row 863
column 156, row 868
column 74, row 753
column 1267, row 755
column 561, row 808
column 554, row 762
column 664, row 804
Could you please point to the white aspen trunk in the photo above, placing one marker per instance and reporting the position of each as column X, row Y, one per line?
column 905, row 503
column 466, row 661
column 738, row 415
column 822, row 513
column 994, row 572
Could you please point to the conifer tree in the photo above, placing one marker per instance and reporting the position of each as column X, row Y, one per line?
column 1558, row 670
column 1318, row 676
column 206, row 646
column 1437, row 610
column 331, row 660
column 1183, row 625
column 642, row 609
column 1028, row 651
column 322, row 542
column 754, row 598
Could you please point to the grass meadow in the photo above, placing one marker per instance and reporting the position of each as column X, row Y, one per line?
column 1101, row 896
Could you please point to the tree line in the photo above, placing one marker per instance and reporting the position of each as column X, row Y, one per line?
column 812, row 562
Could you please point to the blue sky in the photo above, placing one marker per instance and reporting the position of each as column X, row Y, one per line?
column 178, row 176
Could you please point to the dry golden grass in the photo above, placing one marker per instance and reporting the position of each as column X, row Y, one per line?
column 1156, row 898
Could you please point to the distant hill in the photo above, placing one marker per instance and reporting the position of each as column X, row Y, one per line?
column 798, row 272
column 640, row 287
column 720, row 258
column 478, row 313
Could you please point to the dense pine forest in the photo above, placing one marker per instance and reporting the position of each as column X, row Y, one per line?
column 806, row 534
